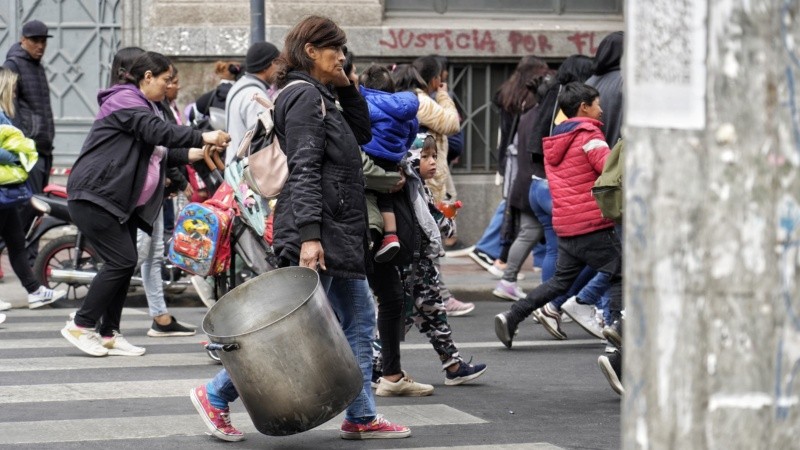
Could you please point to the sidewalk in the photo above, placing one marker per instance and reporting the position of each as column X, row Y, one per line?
column 461, row 274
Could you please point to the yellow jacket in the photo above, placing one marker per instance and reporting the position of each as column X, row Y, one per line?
column 12, row 140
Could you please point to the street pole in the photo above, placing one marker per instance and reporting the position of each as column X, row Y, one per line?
column 712, row 225
column 257, row 32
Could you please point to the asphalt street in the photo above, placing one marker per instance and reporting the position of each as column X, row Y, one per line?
column 542, row 394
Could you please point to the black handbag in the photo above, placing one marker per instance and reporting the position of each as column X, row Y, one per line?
column 13, row 195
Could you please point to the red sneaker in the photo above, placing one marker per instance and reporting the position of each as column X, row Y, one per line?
column 218, row 421
column 389, row 247
column 379, row 428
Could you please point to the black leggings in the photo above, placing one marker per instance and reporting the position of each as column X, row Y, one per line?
column 11, row 231
column 115, row 243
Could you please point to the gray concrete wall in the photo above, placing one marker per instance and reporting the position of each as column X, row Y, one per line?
column 712, row 345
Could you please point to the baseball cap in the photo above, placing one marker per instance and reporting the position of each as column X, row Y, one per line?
column 35, row 28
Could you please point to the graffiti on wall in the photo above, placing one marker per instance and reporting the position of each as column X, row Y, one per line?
column 490, row 42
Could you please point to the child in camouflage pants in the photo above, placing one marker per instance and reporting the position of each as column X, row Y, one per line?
column 424, row 303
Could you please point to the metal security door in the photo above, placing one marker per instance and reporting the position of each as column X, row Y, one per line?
column 86, row 34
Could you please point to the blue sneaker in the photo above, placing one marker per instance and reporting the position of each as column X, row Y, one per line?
column 466, row 372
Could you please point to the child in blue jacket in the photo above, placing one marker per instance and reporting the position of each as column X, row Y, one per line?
column 393, row 118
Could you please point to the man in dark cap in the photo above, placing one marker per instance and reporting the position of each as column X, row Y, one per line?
column 241, row 112
column 32, row 103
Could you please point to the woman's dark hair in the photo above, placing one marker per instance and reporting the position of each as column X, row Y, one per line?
column 377, row 77
column 156, row 63
column 573, row 95
column 520, row 88
column 120, row 66
column 406, row 78
column 575, row 68
column 428, row 67
column 315, row 30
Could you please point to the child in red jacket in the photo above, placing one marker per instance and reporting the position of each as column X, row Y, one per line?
column 574, row 156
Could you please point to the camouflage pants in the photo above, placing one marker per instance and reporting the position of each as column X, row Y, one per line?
column 425, row 309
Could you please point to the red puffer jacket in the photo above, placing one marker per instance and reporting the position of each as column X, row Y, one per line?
column 574, row 157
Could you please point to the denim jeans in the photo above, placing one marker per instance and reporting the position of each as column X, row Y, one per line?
column 542, row 205
column 600, row 250
column 489, row 243
column 151, row 259
column 352, row 302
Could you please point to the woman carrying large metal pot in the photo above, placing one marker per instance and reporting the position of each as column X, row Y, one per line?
column 320, row 217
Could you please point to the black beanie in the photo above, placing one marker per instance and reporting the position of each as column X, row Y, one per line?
column 259, row 57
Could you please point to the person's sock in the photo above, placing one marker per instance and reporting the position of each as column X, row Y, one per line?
column 213, row 398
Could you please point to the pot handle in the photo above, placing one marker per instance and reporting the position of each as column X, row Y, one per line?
column 223, row 347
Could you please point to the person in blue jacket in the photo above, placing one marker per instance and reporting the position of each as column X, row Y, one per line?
column 393, row 120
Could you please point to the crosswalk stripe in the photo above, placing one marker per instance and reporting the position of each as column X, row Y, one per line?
column 32, row 327
column 77, row 430
column 96, row 391
column 9, row 344
column 142, row 341
column 63, row 312
column 80, row 361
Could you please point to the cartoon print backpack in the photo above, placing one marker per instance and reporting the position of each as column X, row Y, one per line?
column 201, row 242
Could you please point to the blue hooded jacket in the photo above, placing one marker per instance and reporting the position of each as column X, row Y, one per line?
column 393, row 119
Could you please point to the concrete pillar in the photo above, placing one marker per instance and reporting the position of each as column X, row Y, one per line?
column 712, row 226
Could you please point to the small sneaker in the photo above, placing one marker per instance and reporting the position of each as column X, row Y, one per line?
column 5, row 306
column 481, row 258
column 379, row 428
column 204, row 290
column 117, row 345
column 174, row 328
column 2, row 318
column 44, row 296
column 550, row 320
column 611, row 366
column 218, row 421
column 455, row 308
column 389, row 248
column 466, row 372
column 508, row 290
column 583, row 315
column 496, row 271
column 505, row 327
column 404, row 387
column 613, row 333
column 87, row 341
column 565, row 318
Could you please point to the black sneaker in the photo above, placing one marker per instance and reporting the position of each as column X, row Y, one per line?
column 611, row 366
column 613, row 333
column 482, row 259
column 376, row 377
column 505, row 327
column 173, row 329
column 466, row 372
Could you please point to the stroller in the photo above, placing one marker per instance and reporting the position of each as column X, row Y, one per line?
column 251, row 254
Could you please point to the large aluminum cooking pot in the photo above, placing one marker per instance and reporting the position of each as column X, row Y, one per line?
column 285, row 351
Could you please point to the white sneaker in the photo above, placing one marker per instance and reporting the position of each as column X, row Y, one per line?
column 119, row 346
column 87, row 341
column 204, row 290
column 4, row 306
column 583, row 315
column 565, row 318
column 44, row 296
column 508, row 290
column 498, row 273
column 2, row 318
